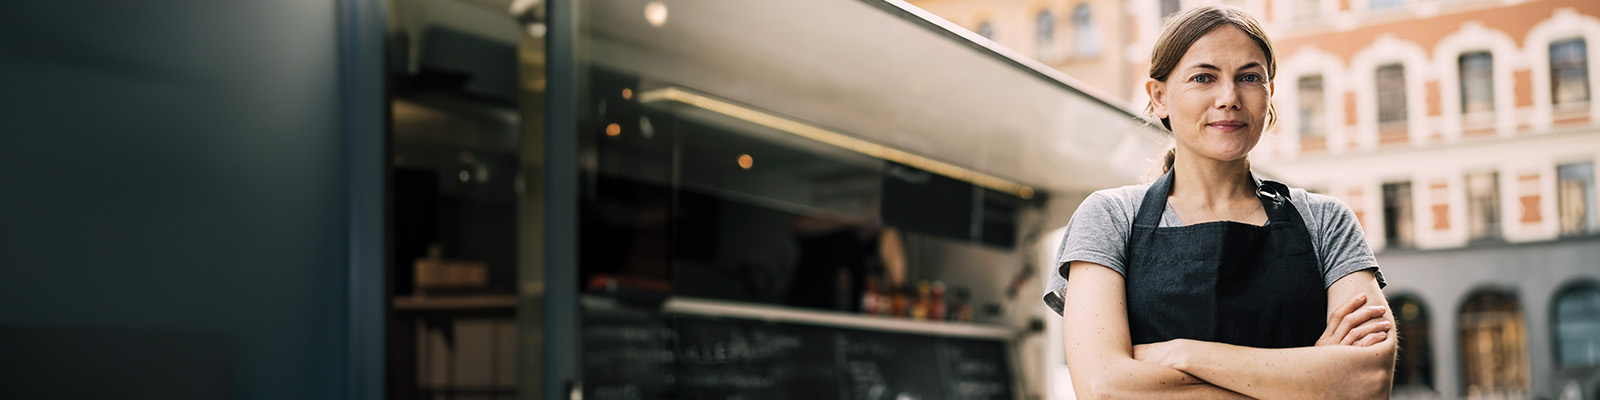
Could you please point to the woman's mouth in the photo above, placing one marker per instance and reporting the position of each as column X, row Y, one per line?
column 1227, row 126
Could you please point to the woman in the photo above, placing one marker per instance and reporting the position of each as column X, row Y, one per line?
column 1209, row 283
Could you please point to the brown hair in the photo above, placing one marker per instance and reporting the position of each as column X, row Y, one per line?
column 1182, row 30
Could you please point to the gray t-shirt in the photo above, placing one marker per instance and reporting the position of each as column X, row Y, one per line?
column 1098, row 233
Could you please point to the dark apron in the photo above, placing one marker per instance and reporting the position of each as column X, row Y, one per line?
column 1224, row 281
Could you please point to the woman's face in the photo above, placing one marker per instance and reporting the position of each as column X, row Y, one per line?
column 1216, row 98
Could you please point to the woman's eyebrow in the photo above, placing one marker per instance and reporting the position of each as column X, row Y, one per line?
column 1215, row 68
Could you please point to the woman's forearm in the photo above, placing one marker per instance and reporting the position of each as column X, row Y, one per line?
column 1133, row 379
column 1322, row 372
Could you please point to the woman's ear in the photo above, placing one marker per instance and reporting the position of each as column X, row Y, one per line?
column 1157, row 90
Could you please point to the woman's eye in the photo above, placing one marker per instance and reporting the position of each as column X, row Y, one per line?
column 1202, row 78
column 1252, row 78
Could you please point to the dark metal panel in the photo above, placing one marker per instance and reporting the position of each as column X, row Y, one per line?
column 561, row 342
column 362, row 119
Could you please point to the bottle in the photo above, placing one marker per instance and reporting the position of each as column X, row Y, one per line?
column 841, row 289
column 919, row 311
column 899, row 309
column 869, row 297
column 961, row 310
column 936, row 308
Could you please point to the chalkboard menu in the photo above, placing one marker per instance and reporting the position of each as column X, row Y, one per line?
column 722, row 359
column 628, row 354
column 654, row 356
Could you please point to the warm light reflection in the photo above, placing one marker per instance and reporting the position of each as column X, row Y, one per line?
column 656, row 13
column 627, row 93
column 613, row 130
column 745, row 161
column 837, row 139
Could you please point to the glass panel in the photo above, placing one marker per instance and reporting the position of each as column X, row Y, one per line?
column 1045, row 35
column 1086, row 43
column 1414, row 364
column 1577, row 327
column 1380, row 5
column 1169, row 7
column 1483, row 205
column 1311, row 107
column 1391, row 81
column 1569, row 71
column 466, row 101
column 1494, row 346
column 1575, row 197
column 1477, row 82
column 1397, row 221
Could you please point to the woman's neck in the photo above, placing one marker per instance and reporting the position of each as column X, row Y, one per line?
column 1212, row 184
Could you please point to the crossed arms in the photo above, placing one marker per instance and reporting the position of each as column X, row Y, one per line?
column 1354, row 358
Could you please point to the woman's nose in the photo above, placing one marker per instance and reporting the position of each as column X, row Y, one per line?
column 1229, row 98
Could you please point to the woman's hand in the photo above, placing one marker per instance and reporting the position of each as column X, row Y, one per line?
column 1354, row 325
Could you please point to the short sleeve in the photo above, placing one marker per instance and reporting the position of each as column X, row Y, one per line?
column 1097, row 233
column 1344, row 245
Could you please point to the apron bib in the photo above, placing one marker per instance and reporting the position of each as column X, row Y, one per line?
column 1224, row 281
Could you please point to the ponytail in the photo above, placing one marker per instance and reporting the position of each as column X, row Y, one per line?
column 1166, row 163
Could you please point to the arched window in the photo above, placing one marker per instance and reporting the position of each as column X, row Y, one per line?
column 1045, row 36
column 1085, row 43
column 1413, row 370
column 1577, row 326
column 1494, row 343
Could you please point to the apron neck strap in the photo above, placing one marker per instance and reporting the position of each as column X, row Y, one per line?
column 1274, row 200
column 1155, row 202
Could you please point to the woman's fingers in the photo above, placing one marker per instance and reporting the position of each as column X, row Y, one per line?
column 1362, row 332
column 1360, row 316
column 1338, row 316
column 1372, row 339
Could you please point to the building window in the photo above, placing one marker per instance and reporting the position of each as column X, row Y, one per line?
column 1311, row 108
column 1045, row 36
column 1483, row 205
column 1397, row 221
column 1169, row 7
column 986, row 30
column 1378, row 5
column 1085, row 43
column 1477, row 82
column 1413, row 371
column 1577, row 326
column 1575, row 198
column 1306, row 9
column 1391, row 81
column 1569, row 72
column 1494, row 355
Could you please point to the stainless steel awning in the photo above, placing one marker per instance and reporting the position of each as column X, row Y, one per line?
column 887, row 73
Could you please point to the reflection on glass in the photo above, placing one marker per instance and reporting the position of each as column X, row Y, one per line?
column 1577, row 326
column 1494, row 342
column 656, row 13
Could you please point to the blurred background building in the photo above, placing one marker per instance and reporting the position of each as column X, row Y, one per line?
column 1464, row 135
